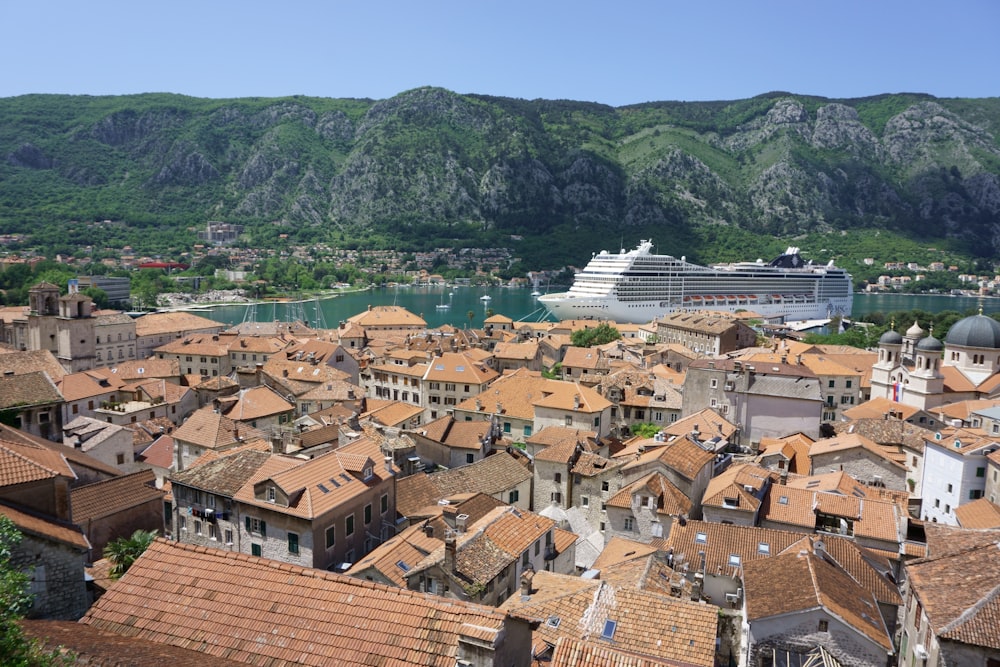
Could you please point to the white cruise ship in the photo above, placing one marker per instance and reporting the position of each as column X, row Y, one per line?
column 637, row 286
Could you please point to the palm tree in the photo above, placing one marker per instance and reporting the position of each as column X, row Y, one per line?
column 471, row 315
column 123, row 551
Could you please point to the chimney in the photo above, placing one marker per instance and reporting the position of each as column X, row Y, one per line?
column 388, row 465
column 428, row 530
column 449, row 552
column 576, row 401
column 461, row 521
column 526, row 578
column 695, row 433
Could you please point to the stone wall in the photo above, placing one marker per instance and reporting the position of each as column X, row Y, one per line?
column 57, row 572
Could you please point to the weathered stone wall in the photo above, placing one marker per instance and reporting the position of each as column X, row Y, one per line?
column 57, row 572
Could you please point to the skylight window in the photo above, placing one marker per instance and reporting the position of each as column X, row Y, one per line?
column 553, row 621
column 609, row 629
column 402, row 566
column 701, row 538
column 459, row 369
column 439, row 367
column 345, row 477
column 734, row 560
column 322, row 488
column 763, row 548
column 783, row 500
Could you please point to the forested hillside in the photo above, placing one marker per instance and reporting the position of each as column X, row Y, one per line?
column 430, row 167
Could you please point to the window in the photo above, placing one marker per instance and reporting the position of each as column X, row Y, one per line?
column 975, row 494
column 585, row 501
column 656, row 529
column 949, row 488
column 557, row 478
column 763, row 548
column 349, row 526
column 182, row 523
column 714, row 383
column 734, row 560
column 980, row 472
column 524, row 558
column 384, row 503
column 469, row 458
column 213, row 532
column 331, row 537
column 831, row 384
column 506, row 427
column 824, row 626
column 197, row 527
column 120, row 459
column 604, row 486
column 569, row 420
column 229, row 536
column 368, row 514
column 513, row 496
column 293, row 543
column 847, row 383
column 256, row 526
column 255, row 550
column 629, row 523
column 527, row 431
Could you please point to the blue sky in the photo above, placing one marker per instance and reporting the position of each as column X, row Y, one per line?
column 614, row 53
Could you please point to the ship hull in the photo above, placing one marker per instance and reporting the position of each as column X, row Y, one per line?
column 638, row 286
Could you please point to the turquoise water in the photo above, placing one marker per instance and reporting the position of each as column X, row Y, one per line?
column 516, row 303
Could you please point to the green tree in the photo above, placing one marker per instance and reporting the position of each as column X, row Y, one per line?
column 16, row 649
column 123, row 551
column 601, row 334
column 471, row 315
column 644, row 430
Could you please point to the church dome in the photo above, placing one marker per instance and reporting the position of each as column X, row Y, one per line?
column 915, row 331
column 890, row 337
column 930, row 344
column 975, row 331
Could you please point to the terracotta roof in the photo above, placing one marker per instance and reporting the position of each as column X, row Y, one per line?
column 979, row 513
column 209, row 429
column 681, row 455
column 878, row 408
column 388, row 316
column 28, row 389
column 490, row 475
column 516, row 351
column 460, row 434
column 874, row 518
column 887, row 432
column 576, row 653
column 93, row 646
column 258, row 403
column 391, row 413
column 670, row 500
column 460, row 368
column 631, row 620
column 960, row 590
column 74, row 458
column 225, row 474
column 398, row 555
column 101, row 499
column 250, row 609
column 154, row 324
column 619, row 550
column 30, row 522
column 77, row 386
column 809, row 582
column 143, row 368
column 849, row 441
column 34, row 361
column 317, row 485
column 160, row 454
column 22, row 462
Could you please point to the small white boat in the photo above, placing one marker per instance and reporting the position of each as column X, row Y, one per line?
column 486, row 297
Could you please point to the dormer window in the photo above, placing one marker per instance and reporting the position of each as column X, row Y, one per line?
column 368, row 473
column 271, row 494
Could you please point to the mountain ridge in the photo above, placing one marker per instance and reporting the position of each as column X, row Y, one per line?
column 430, row 165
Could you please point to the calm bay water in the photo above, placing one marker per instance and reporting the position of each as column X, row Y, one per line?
column 517, row 304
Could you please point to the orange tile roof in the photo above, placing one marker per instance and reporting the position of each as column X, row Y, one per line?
column 250, row 609
column 209, row 429
column 979, row 513
column 22, row 462
column 619, row 550
column 848, row 441
column 30, row 522
column 644, row 623
column 101, row 499
column 807, row 582
column 258, row 403
column 670, row 500
column 571, row 652
column 173, row 322
column 958, row 588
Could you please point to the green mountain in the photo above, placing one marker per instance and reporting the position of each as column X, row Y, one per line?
column 430, row 167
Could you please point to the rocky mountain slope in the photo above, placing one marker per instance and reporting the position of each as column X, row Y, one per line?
column 430, row 164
